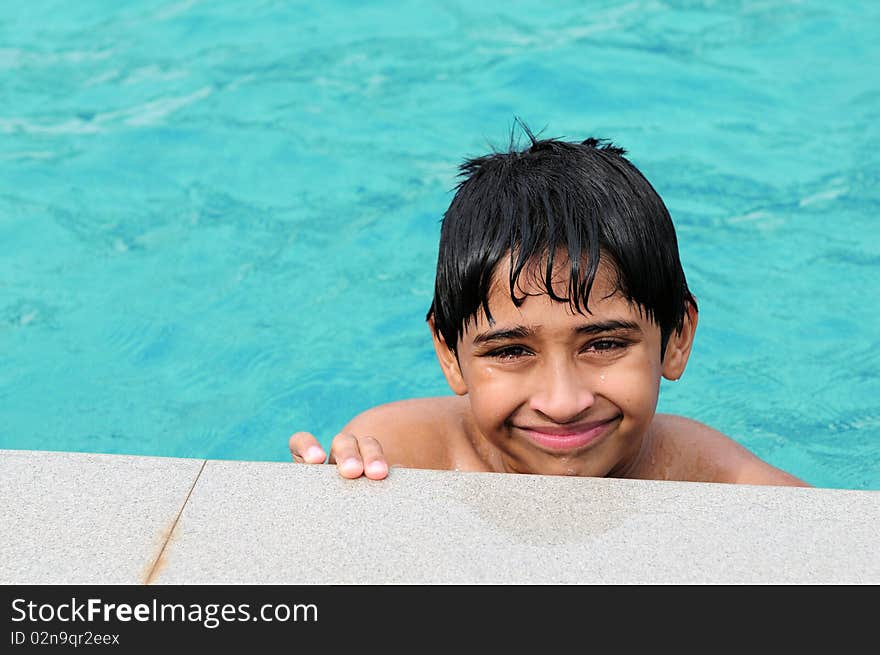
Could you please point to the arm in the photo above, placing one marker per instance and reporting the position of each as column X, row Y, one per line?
column 402, row 433
column 706, row 455
column 760, row 472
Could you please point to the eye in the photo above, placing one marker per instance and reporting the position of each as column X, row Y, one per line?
column 606, row 345
column 509, row 353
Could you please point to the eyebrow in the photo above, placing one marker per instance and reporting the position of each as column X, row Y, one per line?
column 522, row 332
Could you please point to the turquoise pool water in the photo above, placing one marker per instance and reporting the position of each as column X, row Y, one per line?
column 219, row 219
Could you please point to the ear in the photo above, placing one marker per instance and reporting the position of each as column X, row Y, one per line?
column 448, row 361
column 678, row 348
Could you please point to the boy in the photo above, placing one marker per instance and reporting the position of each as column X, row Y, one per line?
column 559, row 302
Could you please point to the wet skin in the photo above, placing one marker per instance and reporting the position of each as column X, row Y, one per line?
column 545, row 389
column 556, row 391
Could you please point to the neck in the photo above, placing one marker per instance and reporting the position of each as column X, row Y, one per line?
column 633, row 464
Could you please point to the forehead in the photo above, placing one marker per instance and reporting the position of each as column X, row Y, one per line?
column 605, row 297
column 532, row 280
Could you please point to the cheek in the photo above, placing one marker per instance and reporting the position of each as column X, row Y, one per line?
column 494, row 394
column 634, row 388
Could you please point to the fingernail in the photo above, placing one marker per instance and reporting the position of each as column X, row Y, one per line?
column 316, row 454
column 377, row 468
column 350, row 463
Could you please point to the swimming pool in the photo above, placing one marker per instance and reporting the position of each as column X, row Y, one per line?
column 219, row 220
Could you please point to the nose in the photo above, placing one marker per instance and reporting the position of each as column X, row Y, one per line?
column 561, row 392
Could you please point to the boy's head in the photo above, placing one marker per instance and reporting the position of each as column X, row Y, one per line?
column 559, row 304
column 575, row 201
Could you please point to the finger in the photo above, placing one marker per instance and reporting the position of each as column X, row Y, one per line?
column 345, row 452
column 375, row 466
column 305, row 449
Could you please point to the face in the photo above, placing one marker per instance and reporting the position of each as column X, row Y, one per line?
column 556, row 392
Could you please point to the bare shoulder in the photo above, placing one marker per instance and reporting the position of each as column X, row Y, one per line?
column 418, row 432
column 684, row 449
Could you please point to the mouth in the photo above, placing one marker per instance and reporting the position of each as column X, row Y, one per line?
column 568, row 437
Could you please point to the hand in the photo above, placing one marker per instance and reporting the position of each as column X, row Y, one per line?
column 354, row 456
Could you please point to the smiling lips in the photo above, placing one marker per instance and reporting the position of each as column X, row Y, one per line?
column 568, row 437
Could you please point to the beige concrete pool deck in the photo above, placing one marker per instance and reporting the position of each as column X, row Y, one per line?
column 77, row 518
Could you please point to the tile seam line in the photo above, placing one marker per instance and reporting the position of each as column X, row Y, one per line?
column 158, row 559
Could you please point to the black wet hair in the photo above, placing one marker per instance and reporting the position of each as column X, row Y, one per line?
column 582, row 198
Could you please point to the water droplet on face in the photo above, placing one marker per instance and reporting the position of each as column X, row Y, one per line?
column 602, row 378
